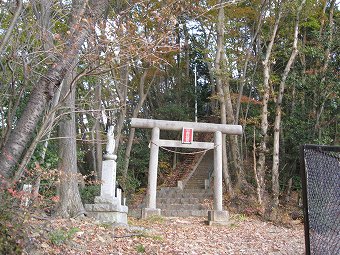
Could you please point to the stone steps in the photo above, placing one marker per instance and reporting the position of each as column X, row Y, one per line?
column 174, row 202
column 202, row 196
column 200, row 193
column 166, row 191
column 201, row 174
column 181, row 169
column 179, row 207
column 200, row 185
column 188, row 202
column 177, row 200
column 185, row 213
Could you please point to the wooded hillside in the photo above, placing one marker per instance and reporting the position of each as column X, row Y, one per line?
column 71, row 68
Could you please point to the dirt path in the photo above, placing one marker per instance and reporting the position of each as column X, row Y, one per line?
column 165, row 236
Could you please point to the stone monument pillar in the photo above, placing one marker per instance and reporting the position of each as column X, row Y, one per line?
column 109, row 207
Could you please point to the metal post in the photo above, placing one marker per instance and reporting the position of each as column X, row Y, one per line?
column 218, row 172
column 153, row 165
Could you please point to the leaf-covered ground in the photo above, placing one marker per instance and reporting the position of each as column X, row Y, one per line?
column 163, row 236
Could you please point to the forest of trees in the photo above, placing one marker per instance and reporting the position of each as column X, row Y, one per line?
column 70, row 68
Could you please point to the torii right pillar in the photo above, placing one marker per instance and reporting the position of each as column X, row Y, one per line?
column 218, row 215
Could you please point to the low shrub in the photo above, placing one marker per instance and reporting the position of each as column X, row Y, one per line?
column 59, row 236
column 88, row 193
column 11, row 219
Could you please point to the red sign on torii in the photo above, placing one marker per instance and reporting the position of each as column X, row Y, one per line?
column 187, row 135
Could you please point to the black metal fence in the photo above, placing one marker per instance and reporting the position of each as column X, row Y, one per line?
column 320, row 170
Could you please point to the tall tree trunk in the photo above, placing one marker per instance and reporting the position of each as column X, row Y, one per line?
column 122, row 94
column 221, row 96
column 261, row 162
column 43, row 91
column 327, row 55
column 36, row 186
column 303, row 72
column 45, row 130
column 70, row 204
column 208, row 33
column 258, row 188
column 213, row 103
column 234, row 146
column 43, row 10
column 142, row 97
column 278, row 114
column 43, row 14
column 245, row 67
column 186, row 51
column 227, row 113
column 97, row 147
column 11, row 27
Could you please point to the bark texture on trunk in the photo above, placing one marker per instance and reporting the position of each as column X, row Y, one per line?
column 123, row 80
column 11, row 27
column 261, row 162
column 19, row 138
column 323, row 95
column 226, row 108
column 97, row 144
column 221, row 97
column 246, row 61
column 42, row 11
column 258, row 188
column 233, row 141
column 278, row 114
column 70, row 204
column 143, row 93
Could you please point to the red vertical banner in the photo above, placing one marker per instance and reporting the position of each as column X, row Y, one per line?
column 187, row 135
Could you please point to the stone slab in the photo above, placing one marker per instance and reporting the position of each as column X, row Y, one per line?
column 88, row 207
column 184, row 213
column 136, row 213
column 180, row 206
column 106, row 208
column 147, row 212
column 105, row 200
column 109, row 217
column 218, row 217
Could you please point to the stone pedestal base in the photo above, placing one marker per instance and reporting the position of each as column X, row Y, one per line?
column 218, row 217
column 147, row 212
column 109, row 217
column 107, row 212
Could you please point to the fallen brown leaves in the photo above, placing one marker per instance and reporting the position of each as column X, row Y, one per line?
column 163, row 236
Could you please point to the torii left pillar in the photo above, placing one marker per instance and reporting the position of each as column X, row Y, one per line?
column 151, row 208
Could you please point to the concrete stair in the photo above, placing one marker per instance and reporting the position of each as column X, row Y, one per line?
column 180, row 170
column 175, row 202
column 201, row 173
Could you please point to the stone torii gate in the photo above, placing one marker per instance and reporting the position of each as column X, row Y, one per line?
column 217, row 215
